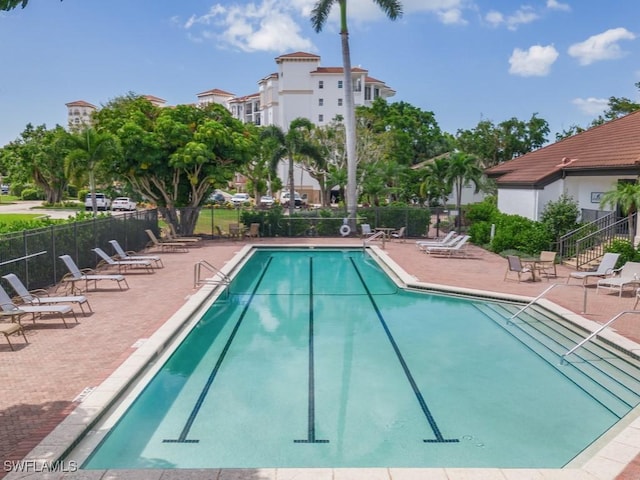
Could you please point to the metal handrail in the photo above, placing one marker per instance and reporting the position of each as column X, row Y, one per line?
column 549, row 288
column 197, row 269
column 379, row 234
column 595, row 333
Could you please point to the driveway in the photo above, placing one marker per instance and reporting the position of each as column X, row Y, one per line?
column 34, row 207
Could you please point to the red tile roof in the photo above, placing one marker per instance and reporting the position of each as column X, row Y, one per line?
column 330, row 70
column 80, row 103
column 613, row 146
column 215, row 91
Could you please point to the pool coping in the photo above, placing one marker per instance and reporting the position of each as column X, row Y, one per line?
column 605, row 459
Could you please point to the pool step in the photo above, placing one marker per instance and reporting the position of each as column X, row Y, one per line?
column 611, row 378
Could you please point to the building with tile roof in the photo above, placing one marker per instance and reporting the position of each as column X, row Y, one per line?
column 79, row 114
column 583, row 166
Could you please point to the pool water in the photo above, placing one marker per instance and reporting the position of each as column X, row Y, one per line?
column 317, row 359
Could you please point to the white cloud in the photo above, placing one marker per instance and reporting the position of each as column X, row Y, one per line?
column 591, row 106
column 536, row 61
column 267, row 26
column 521, row 16
column 555, row 5
column 603, row 46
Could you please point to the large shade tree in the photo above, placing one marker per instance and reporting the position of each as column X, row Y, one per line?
column 38, row 156
column 319, row 16
column 175, row 156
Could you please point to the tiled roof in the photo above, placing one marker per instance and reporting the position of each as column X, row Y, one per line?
column 304, row 55
column 215, row 91
column 80, row 103
column 337, row 70
column 614, row 145
column 154, row 99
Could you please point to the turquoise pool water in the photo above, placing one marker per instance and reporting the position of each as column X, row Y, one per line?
column 317, row 359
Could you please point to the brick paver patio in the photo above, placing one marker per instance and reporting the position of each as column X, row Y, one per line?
column 41, row 380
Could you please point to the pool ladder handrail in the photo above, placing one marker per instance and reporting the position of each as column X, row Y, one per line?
column 595, row 333
column 549, row 288
column 222, row 278
column 379, row 234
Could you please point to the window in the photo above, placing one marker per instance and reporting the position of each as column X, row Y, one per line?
column 367, row 93
column 320, row 118
column 339, row 102
column 376, row 93
column 320, row 102
column 321, row 84
column 339, row 83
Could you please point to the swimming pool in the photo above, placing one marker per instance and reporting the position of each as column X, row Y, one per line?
column 317, row 359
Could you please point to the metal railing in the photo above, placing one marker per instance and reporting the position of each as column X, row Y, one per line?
column 380, row 234
column 219, row 277
column 548, row 289
column 595, row 333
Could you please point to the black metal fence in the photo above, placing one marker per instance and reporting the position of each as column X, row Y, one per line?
column 33, row 254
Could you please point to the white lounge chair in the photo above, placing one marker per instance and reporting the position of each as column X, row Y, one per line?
column 446, row 240
column 87, row 275
column 626, row 276
column 366, row 230
column 399, row 234
column 605, row 268
column 41, row 297
column 458, row 248
column 36, row 311
column 121, row 264
column 122, row 255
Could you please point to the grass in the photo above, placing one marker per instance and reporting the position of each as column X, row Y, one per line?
column 9, row 218
column 221, row 217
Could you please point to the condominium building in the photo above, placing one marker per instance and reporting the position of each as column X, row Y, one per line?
column 79, row 114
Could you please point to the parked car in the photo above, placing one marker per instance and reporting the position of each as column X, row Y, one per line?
column 4, row 189
column 123, row 203
column 217, row 198
column 267, row 201
column 102, row 202
column 240, row 199
column 284, row 199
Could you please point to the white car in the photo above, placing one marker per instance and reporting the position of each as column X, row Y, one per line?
column 267, row 201
column 240, row 199
column 123, row 203
column 102, row 202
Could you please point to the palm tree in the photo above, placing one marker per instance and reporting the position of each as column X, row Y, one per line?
column 435, row 184
column 292, row 144
column 462, row 169
column 319, row 15
column 88, row 148
column 627, row 197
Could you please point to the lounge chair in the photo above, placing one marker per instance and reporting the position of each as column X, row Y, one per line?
column 398, row 234
column 169, row 246
column 446, row 240
column 36, row 311
column 626, row 276
column 122, row 255
column 220, row 233
column 173, row 236
column 121, row 264
column 514, row 264
column 458, row 248
column 87, row 275
column 41, row 297
column 605, row 268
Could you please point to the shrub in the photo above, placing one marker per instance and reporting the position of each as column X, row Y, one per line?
column 520, row 233
column 626, row 250
column 481, row 212
column 561, row 216
column 31, row 194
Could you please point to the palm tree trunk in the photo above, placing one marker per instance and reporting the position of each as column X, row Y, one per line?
column 349, row 123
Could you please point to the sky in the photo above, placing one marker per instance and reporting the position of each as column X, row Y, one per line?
column 464, row 60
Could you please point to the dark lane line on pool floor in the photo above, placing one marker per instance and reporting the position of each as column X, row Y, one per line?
column 205, row 390
column 311, row 409
column 423, row 405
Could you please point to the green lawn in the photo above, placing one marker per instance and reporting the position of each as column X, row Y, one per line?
column 221, row 217
column 18, row 217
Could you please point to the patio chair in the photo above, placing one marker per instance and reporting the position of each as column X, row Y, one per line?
column 121, row 264
column 626, row 276
column 514, row 264
column 546, row 265
column 87, row 275
column 166, row 246
column 457, row 249
column 220, row 233
column 254, row 231
column 41, row 296
column 36, row 311
column 366, row 230
column 8, row 329
column 399, row 234
column 122, row 255
column 605, row 269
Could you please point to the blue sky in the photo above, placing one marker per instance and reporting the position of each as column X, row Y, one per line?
column 464, row 60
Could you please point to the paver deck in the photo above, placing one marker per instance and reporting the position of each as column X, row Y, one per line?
column 42, row 380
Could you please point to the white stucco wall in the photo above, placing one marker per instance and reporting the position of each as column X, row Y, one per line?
column 518, row 202
column 582, row 188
